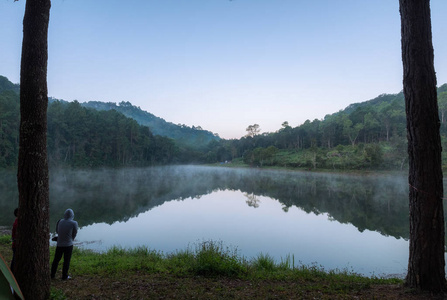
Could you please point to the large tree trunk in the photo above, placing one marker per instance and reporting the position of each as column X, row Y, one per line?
column 32, row 266
column 426, row 260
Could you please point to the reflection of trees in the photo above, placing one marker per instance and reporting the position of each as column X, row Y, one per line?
column 378, row 203
column 252, row 200
column 110, row 195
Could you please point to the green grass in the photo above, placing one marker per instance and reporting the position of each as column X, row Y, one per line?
column 213, row 259
column 206, row 259
column 205, row 266
column 210, row 259
column 5, row 239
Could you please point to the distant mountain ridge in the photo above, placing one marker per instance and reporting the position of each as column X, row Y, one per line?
column 387, row 98
column 6, row 85
column 364, row 135
column 384, row 98
column 194, row 137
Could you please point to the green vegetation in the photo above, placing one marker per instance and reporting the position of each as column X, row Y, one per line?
column 6, row 85
column 81, row 137
column 368, row 135
column 365, row 136
column 192, row 137
column 208, row 268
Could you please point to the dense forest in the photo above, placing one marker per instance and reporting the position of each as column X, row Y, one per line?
column 367, row 135
column 192, row 137
column 82, row 137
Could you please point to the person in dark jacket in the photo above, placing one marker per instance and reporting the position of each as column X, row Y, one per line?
column 66, row 229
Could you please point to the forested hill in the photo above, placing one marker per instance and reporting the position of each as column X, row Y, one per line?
column 383, row 98
column 366, row 135
column 83, row 137
column 194, row 137
column 6, row 85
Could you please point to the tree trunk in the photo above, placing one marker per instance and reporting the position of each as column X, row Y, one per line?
column 32, row 267
column 426, row 259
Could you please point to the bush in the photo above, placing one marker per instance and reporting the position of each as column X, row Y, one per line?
column 213, row 260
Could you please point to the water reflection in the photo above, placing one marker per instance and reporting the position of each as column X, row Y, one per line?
column 252, row 200
column 275, row 212
column 377, row 203
column 225, row 216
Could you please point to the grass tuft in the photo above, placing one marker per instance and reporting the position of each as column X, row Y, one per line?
column 6, row 239
column 212, row 259
column 264, row 262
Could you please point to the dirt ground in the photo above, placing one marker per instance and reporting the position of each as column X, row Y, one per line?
column 144, row 286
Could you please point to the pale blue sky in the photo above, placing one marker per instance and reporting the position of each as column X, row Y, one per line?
column 222, row 64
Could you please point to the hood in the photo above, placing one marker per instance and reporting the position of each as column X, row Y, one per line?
column 69, row 214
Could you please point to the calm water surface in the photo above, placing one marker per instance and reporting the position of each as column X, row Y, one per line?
column 225, row 216
column 359, row 223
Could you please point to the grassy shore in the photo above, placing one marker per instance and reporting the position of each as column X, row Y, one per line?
column 209, row 271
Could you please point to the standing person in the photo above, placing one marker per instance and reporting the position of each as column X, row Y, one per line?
column 66, row 229
column 13, row 237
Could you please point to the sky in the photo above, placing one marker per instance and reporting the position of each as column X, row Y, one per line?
column 220, row 64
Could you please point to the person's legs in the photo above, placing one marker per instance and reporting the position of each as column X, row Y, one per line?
column 56, row 260
column 67, row 257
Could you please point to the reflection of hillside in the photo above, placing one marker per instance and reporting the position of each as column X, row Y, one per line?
column 108, row 195
column 116, row 195
column 373, row 203
column 367, row 202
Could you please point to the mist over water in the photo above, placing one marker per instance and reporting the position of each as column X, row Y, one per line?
column 358, row 222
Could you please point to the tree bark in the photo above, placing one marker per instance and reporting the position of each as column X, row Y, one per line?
column 426, row 260
column 32, row 267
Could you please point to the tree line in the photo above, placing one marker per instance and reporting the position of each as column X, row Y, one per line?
column 82, row 137
column 367, row 135
column 193, row 137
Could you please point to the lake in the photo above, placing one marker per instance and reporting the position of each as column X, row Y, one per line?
column 353, row 222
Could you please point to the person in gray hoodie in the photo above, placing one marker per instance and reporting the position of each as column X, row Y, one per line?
column 66, row 229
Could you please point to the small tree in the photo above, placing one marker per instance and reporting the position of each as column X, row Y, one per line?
column 253, row 130
column 352, row 132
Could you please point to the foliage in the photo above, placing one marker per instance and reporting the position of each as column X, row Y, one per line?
column 9, row 128
column 253, row 130
column 367, row 135
column 6, row 85
column 264, row 262
column 208, row 258
column 164, row 276
column 194, row 137
column 5, row 239
column 82, row 137
column 213, row 259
